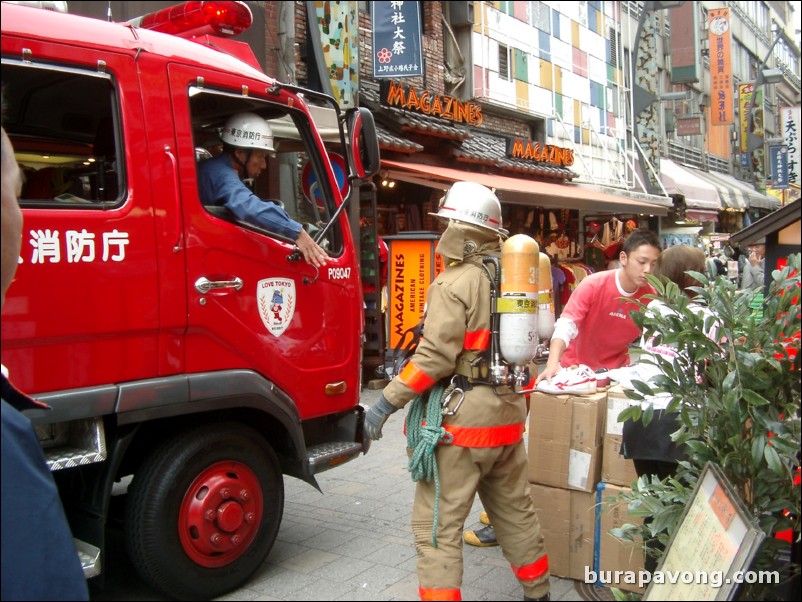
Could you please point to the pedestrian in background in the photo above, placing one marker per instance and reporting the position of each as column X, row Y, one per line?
column 754, row 267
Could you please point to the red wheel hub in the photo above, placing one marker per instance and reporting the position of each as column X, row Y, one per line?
column 220, row 514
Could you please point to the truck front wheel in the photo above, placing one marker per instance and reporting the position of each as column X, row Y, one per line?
column 204, row 510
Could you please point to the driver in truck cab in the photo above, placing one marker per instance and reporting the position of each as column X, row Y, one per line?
column 247, row 138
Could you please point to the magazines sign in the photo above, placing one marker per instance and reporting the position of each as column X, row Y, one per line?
column 397, row 50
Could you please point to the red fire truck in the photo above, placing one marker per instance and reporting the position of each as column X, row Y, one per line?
column 186, row 354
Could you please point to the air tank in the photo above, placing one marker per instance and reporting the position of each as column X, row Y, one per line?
column 518, row 302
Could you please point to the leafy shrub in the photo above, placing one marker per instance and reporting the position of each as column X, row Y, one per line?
column 738, row 403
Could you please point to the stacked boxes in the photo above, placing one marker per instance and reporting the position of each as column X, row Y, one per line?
column 566, row 434
column 567, row 520
column 616, row 470
column 568, row 445
column 611, row 553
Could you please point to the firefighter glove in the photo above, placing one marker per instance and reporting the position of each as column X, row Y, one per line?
column 376, row 416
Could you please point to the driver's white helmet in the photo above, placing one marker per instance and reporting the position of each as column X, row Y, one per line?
column 471, row 203
column 247, row 130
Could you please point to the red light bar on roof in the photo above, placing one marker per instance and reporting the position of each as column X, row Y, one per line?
column 192, row 19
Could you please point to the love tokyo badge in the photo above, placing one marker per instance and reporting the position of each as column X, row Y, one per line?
column 276, row 297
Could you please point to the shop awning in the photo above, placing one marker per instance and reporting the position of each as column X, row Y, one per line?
column 522, row 191
column 698, row 193
column 736, row 194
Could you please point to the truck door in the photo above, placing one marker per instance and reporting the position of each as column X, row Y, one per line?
column 83, row 308
column 251, row 304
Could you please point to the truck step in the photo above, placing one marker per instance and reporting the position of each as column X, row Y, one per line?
column 328, row 455
column 73, row 443
column 90, row 558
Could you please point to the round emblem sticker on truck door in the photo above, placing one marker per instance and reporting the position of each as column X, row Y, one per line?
column 276, row 298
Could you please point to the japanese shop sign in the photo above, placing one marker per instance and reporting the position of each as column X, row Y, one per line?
column 746, row 106
column 397, row 50
column 778, row 159
column 685, row 55
column 689, row 126
column 720, row 66
column 789, row 122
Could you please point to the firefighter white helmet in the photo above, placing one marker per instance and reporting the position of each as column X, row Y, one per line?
column 471, row 203
column 248, row 131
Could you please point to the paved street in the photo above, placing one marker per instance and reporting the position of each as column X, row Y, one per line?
column 353, row 542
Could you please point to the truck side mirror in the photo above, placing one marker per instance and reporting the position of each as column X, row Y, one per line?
column 363, row 143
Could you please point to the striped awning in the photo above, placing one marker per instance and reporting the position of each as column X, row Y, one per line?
column 699, row 193
column 736, row 194
column 732, row 197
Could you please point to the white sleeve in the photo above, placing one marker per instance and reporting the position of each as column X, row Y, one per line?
column 565, row 329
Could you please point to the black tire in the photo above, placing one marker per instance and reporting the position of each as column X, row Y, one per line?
column 168, row 529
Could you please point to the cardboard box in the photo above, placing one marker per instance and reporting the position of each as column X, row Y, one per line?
column 566, row 435
column 616, row 470
column 553, row 508
column 617, row 402
column 567, row 520
column 611, row 553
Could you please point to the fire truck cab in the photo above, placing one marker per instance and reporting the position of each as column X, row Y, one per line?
column 193, row 355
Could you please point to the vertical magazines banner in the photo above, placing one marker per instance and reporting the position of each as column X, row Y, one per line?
column 789, row 122
column 720, row 66
column 397, row 50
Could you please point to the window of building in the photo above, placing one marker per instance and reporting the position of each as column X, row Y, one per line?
column 539, row 16
column 786, row 57
column 614, row 45
column 504, row 62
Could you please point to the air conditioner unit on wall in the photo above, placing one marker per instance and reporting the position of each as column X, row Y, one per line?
column 461, row 13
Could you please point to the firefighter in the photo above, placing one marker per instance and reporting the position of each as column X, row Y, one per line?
column 481, row 449
column 247, row 138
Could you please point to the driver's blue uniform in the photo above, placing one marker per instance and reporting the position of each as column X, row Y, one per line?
column 219, row 184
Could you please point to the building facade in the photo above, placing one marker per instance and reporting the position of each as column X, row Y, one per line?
column 586, row 117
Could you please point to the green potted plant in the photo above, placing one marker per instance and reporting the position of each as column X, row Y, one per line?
column 738, row 404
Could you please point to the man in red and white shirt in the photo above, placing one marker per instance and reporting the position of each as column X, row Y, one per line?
column 595, row 327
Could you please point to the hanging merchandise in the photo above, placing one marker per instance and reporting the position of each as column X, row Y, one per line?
column 629, row 226
column 613, row 232
column 545, row 314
